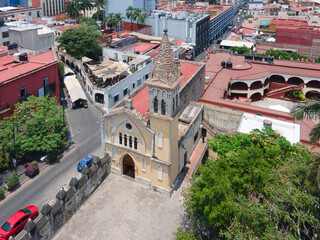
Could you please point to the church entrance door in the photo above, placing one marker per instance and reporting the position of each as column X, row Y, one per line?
column 128, row 166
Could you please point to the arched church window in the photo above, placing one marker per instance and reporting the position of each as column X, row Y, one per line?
column 159, row 172
column 173, row 105
column 163, row 107
column 130, row 141
column 155, row 105
column 125, row 140
column 120, row 138
column 144, row 164
column 160, row 140
column 135, row 143
column 177, row 101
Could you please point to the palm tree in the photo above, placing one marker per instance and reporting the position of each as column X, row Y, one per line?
column 73, row 9
column 85, row 5
column 118, row 20
column 129, row 14
column 110, row 20
column 311, row 110
column 139, row 16
column 99, row 4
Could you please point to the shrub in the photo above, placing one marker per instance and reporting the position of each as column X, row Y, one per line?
column 12, row 180
column 4, row 163
column 32, row 168
column 52, row 156
column 1, row 193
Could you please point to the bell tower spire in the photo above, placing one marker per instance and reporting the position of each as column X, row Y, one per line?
column 164, row 86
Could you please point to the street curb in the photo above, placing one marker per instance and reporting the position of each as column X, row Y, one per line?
column 8, row 193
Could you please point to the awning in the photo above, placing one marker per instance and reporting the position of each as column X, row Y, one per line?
column 75, row 91
column 68, row 71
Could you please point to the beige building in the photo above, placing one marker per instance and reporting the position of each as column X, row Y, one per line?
column 151, row 135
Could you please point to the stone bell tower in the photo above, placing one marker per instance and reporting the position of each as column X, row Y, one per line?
column 164, row 102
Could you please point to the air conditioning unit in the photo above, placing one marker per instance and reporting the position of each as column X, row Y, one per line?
column 16, row 57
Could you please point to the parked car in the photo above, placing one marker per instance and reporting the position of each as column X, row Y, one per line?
column 86, row 161
column 16, row 223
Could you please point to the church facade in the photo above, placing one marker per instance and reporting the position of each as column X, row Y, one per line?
column 145, row 135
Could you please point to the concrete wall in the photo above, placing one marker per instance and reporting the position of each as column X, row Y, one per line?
column 30, row 39
column 222, row 119
column 194, row 88
column 68, row 200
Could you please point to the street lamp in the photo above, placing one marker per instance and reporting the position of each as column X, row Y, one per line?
column 14, row 130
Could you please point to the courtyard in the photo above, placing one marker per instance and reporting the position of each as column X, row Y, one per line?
column 122, row 209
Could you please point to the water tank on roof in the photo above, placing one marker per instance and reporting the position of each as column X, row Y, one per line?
column 246, row 56
column 229, row 64
column 223, row 64
column 256, row 57
column 1, row 22
column 23, row 57
column 250, row 57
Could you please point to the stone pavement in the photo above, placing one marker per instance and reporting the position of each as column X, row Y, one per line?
column 122, row 209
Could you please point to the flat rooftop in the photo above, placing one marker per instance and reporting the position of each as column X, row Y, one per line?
column 10, row 70
column 220, row 78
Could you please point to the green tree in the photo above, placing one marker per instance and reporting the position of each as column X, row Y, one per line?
column 129, row 14
column 85, row 5
column 118, row 20
column 86, row 21
column 311, row 110
column 111, row 20
column 61, row 71
column 260, row 186
column 82, row 41
column 98, row 15
column 73, row 9
column 240, row 50
column 317, row 60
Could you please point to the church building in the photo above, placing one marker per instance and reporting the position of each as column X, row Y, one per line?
column 151, row 135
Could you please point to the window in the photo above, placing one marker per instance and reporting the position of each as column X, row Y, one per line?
column 5, row 34
column 116, row 98
column 135, row 143
column 160, row 140
column 6, row 43
column 177, row 101
column 146, row 76
column 125, row 92
column 120, row 138
column 29, row 13
column 159, row 172
column 38, row 14
column 128, row 126
column 113, row 153
column 144, row 164
column 163, row 107
column 116, row 56
column 195, row 137
column 125, row 140
column 23, row 92
column 130, row 141
column 155, row 105
column 173, row 105
column 45, row 81
column 139, row 82
column 133, row 85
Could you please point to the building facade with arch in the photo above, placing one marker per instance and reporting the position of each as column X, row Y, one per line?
column 143, row 136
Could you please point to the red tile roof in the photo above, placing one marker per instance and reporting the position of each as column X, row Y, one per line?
column 9, row 69
column 143, row 47
column 140, row 101
column 64, row 28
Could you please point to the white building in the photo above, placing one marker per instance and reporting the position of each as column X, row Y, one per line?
column 4, row 33
column 30, row 36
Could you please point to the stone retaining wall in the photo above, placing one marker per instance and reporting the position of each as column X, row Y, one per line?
column 68, row 200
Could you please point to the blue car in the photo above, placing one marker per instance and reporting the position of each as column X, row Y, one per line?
column 86, row 161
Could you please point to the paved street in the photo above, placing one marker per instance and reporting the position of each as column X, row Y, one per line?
column 87, row 137
column 121, row 209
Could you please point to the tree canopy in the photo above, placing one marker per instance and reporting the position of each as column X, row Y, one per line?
column 37, row 125
column 260, row 186
column 82, row 41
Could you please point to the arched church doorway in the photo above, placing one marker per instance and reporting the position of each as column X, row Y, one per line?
column 128, row 166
